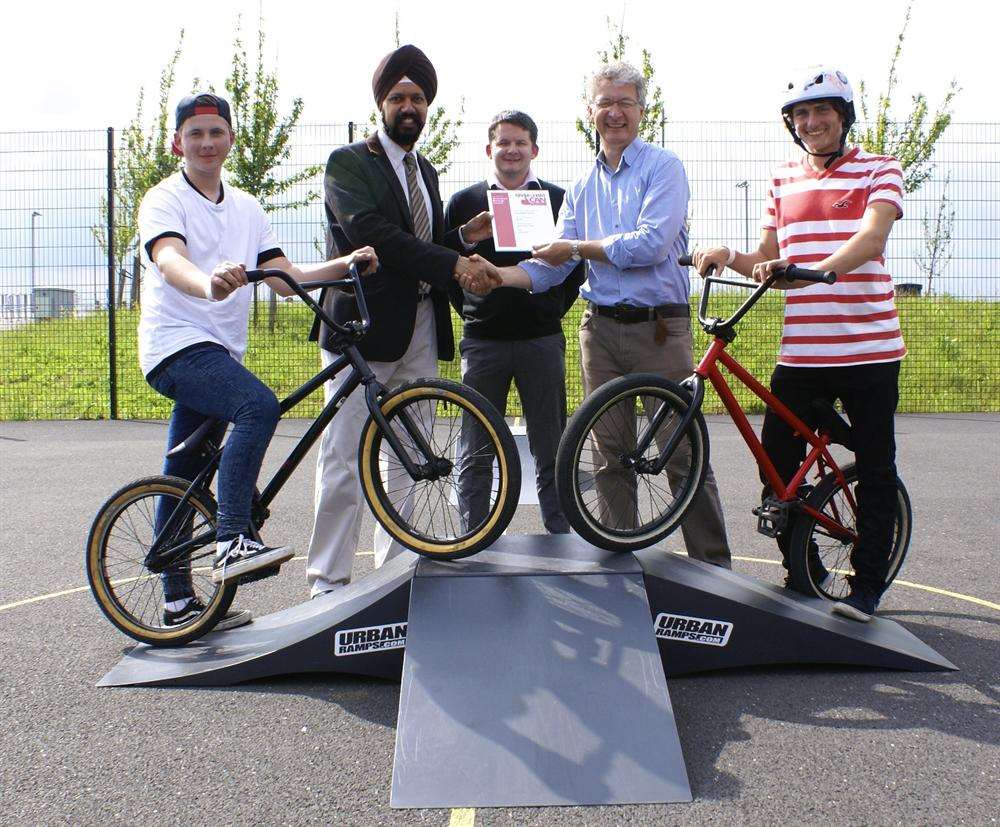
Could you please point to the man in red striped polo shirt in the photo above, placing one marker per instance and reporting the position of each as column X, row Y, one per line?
column 833, row 209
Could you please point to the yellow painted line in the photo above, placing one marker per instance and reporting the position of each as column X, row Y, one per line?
column 910, row 585
column 462, row 817
column 27, row 601
column 968, row 598
column 42, row 597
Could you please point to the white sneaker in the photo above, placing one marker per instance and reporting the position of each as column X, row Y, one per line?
column 242, row 555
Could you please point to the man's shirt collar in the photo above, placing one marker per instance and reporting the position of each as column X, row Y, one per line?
column 393, row 151
column 629, row 156
column 493, row 183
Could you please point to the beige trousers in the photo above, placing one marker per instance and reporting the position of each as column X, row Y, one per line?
column 609, row 349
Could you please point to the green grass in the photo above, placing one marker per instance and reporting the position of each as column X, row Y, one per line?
column 58, row 369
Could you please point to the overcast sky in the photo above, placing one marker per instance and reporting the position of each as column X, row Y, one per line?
column 80, row 65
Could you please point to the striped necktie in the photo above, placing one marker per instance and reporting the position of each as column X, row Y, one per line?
column 418, row 209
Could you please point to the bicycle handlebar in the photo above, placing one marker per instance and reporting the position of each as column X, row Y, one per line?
column 789, row 273
column 724, row 327
column 354, row 329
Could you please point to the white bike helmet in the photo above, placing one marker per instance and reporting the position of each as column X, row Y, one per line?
column 821, row 83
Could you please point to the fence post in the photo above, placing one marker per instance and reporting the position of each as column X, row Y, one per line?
column 350, row 132
column 663, row 129
column 112, row 341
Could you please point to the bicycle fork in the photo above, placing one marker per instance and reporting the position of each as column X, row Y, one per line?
column 637, row 461
column 435, row 467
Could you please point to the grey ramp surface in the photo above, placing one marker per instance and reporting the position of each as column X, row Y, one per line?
column 768, row 624
column 515, row 554
column 294, row 640
column 534, row 690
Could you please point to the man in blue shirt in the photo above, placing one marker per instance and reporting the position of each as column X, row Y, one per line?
column 626, row 219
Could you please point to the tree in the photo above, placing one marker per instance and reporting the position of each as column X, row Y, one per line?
column 440, row 135
column 911, row 140
column 652, row 117
column 262, row 139
column 142, row 161
column 936, row 252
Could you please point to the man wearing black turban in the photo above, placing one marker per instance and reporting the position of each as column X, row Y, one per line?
column 381, row 192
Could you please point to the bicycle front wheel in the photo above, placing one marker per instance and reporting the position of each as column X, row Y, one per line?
column 608, row 491
column 470, row 480
column 819, row 558
column 130, row 595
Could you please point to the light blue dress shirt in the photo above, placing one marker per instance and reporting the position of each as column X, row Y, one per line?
column 639, row 211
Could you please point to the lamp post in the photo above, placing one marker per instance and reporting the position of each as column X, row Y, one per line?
column 31, row 296
column 745, row 186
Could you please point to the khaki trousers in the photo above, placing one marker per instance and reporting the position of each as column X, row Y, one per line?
column 340, row 503
column 609, row 349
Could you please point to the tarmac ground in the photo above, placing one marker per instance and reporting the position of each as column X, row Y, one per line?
column 763, row 746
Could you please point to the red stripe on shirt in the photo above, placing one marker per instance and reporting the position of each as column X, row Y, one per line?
column 798, row 239
column 853, row 298
column 885, row 356
column 835, row 318
column 836, row 338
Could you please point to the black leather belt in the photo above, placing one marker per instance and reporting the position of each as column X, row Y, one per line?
column 630, row 314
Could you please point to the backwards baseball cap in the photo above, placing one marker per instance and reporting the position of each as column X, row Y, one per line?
column 203, row 103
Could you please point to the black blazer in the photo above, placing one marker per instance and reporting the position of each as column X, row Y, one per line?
column 508, row 313
column 365, row 205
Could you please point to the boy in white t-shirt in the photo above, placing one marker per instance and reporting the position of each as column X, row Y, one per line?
column 198, row 239
column 833, row 209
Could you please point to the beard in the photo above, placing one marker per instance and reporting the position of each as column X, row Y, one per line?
column 403, row 134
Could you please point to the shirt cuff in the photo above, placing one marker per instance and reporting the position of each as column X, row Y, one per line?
column 463, row 242
column 616, row 251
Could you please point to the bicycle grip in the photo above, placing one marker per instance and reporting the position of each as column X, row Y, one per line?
column 687, row 261
column 793, row 273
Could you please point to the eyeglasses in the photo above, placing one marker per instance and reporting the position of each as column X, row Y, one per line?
column 625, row 104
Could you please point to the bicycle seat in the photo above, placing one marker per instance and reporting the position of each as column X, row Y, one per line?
column 195, row 440
column 828, row 419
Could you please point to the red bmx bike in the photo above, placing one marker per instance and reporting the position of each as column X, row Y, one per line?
column 634, row 457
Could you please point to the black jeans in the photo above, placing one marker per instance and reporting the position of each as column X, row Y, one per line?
column 869, row 394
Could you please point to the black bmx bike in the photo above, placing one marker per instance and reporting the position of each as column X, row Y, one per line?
column 408, row 465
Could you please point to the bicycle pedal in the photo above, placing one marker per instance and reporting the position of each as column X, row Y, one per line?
column 770, row 520
column 259, row 574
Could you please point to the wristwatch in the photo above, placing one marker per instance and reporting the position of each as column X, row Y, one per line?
column 574, row 251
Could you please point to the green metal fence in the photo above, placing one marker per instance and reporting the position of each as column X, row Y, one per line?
column 67, row 320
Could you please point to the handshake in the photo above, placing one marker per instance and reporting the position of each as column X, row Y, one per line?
column 477, row 275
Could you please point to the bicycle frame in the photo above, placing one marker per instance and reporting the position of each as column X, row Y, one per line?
column 361, row 373
column 818, row 453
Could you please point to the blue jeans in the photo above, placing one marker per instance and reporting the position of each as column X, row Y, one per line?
column 206, row 382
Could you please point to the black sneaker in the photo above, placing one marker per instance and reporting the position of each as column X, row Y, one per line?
column 825, row 583
column 859, row 605
column 241, row 555
column 194, row 607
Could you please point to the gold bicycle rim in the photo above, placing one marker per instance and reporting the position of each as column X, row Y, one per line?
column 100, row 581
column 390, row 524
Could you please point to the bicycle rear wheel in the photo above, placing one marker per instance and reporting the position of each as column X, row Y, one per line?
column 431, row 516
column 607, row 494
column 814, row 551
column 130, row 595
